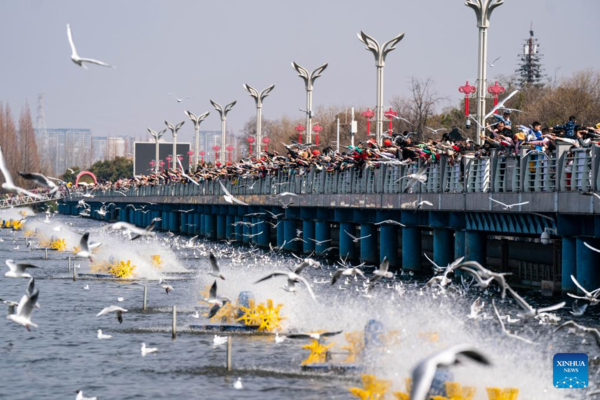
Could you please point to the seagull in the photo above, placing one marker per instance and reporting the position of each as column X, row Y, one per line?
column 178, row 99
column 353, row 271
column 507, row 333
column 529, row 310
column 17, row 270
column 9, row 184
column 382, row 272
column 483, row 275
column 356, row 239
column 274, row 216
column 116, row 309
column 287, row 194
column 424, row 372
column 229, row 198
column 417, row 176
column 40, row 180
column 216, row 301
column 196, row 315
column 80, row 396
column 476, row 308
column 313, row 335
column 493, row 62
column 592, row 297
column 590, row 247
column 120, row 299
column 509, row 206
column 103, row 336
column 148, row 350
column 24, row 310
column 216, row 272
column 84, row 250
column 238, row 384
column 168, row 288
column 320, row 242
column 79, row 60
column 499, row 105
column 577, row 309
column 390, row 222
column 435, row 131
column 219, row 340
column 423, row 203
column 86, row 287
column 279, row 339
column 292, row 279
column 132, row 228
column 573, row 324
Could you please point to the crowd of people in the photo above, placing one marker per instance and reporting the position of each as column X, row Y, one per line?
column 500, row 135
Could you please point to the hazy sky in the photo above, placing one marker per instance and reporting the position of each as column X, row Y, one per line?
column 208, row 49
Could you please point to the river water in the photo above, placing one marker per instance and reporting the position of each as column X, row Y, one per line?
column 63, row 354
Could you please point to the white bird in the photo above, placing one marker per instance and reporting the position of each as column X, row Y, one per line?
column 196, row 315
column 424, row 372
column 168, row 288
column 9, row 184
column 389, row 222
column 529, row 310
column 293, row 277
column 578, row 310
column 313, row 335
column 80, row 396
column 590, row 247
column 219, row 340
column 509, row 206
column 17, row 270
column 102, row 335
column 229, row 198
column 572, row 324
column 499, row 105
column 215, row 300
column 178, row 99
column 40, row 180
column 382, row 272
column 84, row 249
column 353, row 271
column 116, row 309
column 279, row 339
column 133, row 229
column 592, row 297
column 80, row 60
column 148, row 350
column 506, row 332
column 493, row 62
column 423, row 203
column 86, row 287
column 476, row 309
column 120, row 299
column 482, row 275
column 435, row 131
column 238, row 384
column 215, row 271
column 25, row 309
column 354, row 238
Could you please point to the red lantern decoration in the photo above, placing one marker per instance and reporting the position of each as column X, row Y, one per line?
column 250, row 140
column 300, row 128
column 218, row 164
column 202, row 154
column 467, row 90
column 316, row 129
column 190, row 154
column 266, row 141
column 390, row 114
column 152, row 164
column 162, row 165
column 169, row 158
column 496, row 89
column 216, row 148
column 229, row 149
column 369, row 114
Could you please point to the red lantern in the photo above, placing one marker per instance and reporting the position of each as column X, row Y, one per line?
column 250, row 140
column 216, row 148
column 162, row 165
column 316, row 129
column 496, row 89
column 266, row 141
column 369, row 114
column 169, row 158
column 467, row 90
column 202, row 154
column 390, row 114
column 218, row 164
column 152, row 164
column 229, row 149
column 300, row 128
column 190, row 154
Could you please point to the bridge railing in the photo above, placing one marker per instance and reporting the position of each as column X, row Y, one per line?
column 566, row 169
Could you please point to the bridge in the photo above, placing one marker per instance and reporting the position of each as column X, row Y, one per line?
column 19, row 201
column 541, row 242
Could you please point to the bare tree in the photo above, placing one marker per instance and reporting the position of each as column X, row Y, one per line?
column 30, row 159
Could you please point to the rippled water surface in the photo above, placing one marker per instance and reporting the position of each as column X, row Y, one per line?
column 64, row 354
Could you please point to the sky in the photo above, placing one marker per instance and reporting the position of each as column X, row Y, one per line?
column 209, row 49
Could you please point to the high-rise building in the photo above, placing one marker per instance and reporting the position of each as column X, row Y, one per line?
column 115, row 147
column 98, row 148
column 66, row 148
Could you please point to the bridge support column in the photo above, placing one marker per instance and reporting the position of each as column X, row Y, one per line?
column 198, row 224
column 569, row 264
column 210, row 222
column 443, row 246
column 255, row 230
column 183, row 228
column 322, row 232
column 476, row 246
column 347, row 245
column 165, row 220
column 388, row 244
column 308, row 233
column 459, row 244
column 228, row 226
column 587, row 261
column 368, row 246
column 221, row 222
column 239, row 229
column 411, row 248
column 289, row 228
column 246, row 231
column 265, row 237
column 173, row 221
column 280, row 233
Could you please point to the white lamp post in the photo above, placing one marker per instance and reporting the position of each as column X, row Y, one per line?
column 223, row 112
column 157, row 136
column 196, row 120
column 174, row 130
column 258, row 98
column 309, row 80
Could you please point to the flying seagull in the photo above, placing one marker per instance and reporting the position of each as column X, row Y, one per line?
column 24, row 310
column 116, row 309
column 216, row 301
column 354, row 238
column 592, row 297
column 529, row 310
column 499, row 105
column 84, row 248
column 389, row 222
column 80, row 396
column 507, row 333
column 40, row 180
column 9, row 184
column 17, row 270
column 229, row 198
column 493, row 62
column 215, row 271
column 509, row 206
column 313, row 335
column 178, row 99
column 80, row 60
column 572, row 324
column 293, row 277
column 353, row 271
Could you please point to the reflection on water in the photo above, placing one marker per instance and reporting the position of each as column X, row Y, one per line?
column 64, row 355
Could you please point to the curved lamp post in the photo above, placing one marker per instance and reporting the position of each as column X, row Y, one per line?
column 156, row 136
column 483, row 11
column 258, row 98
column 251, row 140
column 309, row 80
column 380, row 53
column 223, row 112
column 196, row 120
column 174, row 130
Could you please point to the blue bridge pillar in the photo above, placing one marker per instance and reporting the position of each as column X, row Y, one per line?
column 388, row 244
column 280, row 233
column 256, row 229
column 246, row 231
column 289, row 228
column 265, row 236
column 569, row 264
column 221, row 222
column 210, row 226
column 476, row 246
column 443, row 246
column 183, row 228
column 229, row 220
column 368, row 246
column 322, row 232
column 411, row 247
column 347, row 245
column 587, row 261
column 308, row 233
column 459, row 244
column 173, row 221
column 239, row 229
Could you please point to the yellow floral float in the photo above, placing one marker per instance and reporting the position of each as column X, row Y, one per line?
column 157, row 262
column 264, row 315
column 58, row 245
column 373, row 388
column 495, row 393
column 122, row 269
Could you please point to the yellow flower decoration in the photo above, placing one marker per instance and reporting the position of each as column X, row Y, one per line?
column 100, row 267
column 23, row 213
column 59, row 245
column 226, row 314
column 16, row 225
column 157, row 262
column 264, row 315
column 250, row 317
column 355, row 346
column 373, row 388
column 122, row 269
column 404, row 395
column 318, row 353
column 432, row 337
column 502, row 394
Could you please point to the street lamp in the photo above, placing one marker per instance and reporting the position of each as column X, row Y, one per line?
column 174, row 130
column 309, row 80
column 196, row 120
column 300, row 128
column 223, row 112
column 229, row 149
column 169, row 158
column 156, row 136
column 216, row 148
column 266, row 141
column 390, row 114
column 258, row 98
column 369, row 114
column 380, row 53
column 316, row 129
column 495, row 90
column 483, row 12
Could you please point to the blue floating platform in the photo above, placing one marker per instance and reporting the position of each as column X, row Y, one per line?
column 224, row 328
column 328, row 367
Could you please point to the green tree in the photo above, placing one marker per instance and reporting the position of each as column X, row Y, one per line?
column 112, row 170
column 70, row 174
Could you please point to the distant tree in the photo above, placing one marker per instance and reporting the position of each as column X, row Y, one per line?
column 112, row 170
column 9, row 142
column 69, row 176
column 30, row 160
